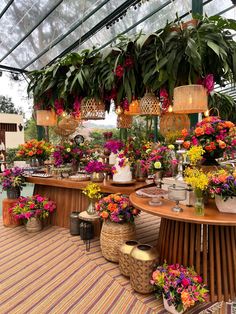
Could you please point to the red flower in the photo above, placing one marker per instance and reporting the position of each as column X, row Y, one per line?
column 129, row 62
column 119, row 71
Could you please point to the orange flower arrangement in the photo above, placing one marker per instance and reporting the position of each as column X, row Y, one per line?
column 34, row 148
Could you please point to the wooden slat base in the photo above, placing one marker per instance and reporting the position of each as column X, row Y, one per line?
column 210, row 249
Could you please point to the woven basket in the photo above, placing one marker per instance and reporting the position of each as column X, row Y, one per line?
column 170, row 122
column 150, row 105
column 124, row 256
column 92, row 109
column 143, row 259
column 134, row 108
column 124, row 121
column 113, row 235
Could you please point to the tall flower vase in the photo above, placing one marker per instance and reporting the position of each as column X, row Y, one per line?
column 199, row 202
column 13, row 193
column 91, row 207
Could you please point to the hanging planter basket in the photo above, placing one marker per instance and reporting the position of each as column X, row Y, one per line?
column 92, row 109
column 170, row 122
column 46, row 117
column 190, row 99
column 150, row 105
column 124, row 121
column 134, row 108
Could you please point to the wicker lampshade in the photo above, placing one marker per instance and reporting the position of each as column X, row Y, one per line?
column 170, row 122
column 124, row 121
column 68, row 123
column 190, row 99
column 92, row 109
column 46, row 117
column 150, row 105
column 134, row 108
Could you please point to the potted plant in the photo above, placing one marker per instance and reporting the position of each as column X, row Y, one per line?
column 118, row 223
column 212, row 134
column 92, row 191
column 222, row 186
column 181, row 287
column 96, row 170
column 35, row 151
column 32, row 210
column 12, row 180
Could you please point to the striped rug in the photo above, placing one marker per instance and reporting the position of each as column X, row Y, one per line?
column 50, row 272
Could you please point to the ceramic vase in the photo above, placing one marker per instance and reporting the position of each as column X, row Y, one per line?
column 13, row 193
column 97, row 177
column 33, row 224
column 124, row 256
column 170, row 308
column 228, row 206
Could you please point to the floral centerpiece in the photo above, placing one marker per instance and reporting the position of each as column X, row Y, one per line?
column 198, row 180
column 96, row 170
column 33, row 206
column 12, row 180
column 69, row 152
column 93, row 192
column 212, row 134
column 117, row 208
column 180, row 286
column 222, row 186
column 34, row 149
column 114, row 146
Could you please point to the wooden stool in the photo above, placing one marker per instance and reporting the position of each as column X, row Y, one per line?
column 8, row 219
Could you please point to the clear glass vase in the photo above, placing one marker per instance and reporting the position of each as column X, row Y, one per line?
column 199, row 203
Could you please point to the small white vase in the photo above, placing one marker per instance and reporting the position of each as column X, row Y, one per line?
column 228, row 206
column 170, row 308
column 112, row 159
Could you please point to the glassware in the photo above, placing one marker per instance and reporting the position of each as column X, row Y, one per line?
column 177, row 194
column 180, row 152
column 199, row 202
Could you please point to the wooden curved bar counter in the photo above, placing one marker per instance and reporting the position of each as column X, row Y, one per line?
column 206, row 242
column 69, row 197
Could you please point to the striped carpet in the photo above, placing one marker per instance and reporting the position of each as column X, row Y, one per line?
column 50, row 272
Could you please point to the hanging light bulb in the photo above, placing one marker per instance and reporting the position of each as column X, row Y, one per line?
column 119, row 110
column 170, row 109
column 206, row 113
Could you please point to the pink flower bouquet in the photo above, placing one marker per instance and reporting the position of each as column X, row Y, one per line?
column 33, row 206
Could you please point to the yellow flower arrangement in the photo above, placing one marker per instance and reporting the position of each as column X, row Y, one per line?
column 92, row 190
column 195, row 154
column 196, row 178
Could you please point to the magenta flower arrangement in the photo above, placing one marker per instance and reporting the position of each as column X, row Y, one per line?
column 180, row 286
column 117, row 208
column 67, row 153
column 95, row 166
column 114, row 146
column 12, row 178
column 160, row 158
column 33, row 206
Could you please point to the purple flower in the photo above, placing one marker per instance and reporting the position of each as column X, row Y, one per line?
column 208, row 82
column 95, row 166
column 114, row 146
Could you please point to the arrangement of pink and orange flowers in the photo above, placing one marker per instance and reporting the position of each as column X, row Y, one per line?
column 117, row 208
column 181, row 286
column 34, row 149
column 33, row 206
column 212, row 134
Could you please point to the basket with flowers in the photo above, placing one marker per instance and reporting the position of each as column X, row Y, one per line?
column 118, row 223
column 35, row 149
column 32, row 210
column 180, row 286
column 12, row 180
column 212, row 134
column 222, row 186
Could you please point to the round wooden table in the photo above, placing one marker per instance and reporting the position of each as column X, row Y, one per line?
column 206, row 242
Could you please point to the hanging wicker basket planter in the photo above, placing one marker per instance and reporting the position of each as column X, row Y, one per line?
column 124, row 121
column 92, row 109
column 150, row 105
column 170, row 122
column 113, row 235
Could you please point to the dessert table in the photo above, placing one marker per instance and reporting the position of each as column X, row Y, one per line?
column 206, row 242
column 67, row 194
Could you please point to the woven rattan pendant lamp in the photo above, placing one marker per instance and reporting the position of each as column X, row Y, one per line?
column 190, row 99
column 150, row 104
column 134, row 108
column 124, row 121
column 92, row 109
column 46, row 117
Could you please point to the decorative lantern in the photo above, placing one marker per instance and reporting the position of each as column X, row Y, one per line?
column 150, row 105
column 190, row 99
column 92, row 109
column 134, row 108
column 124, row 121
column 173, row 122
column 46, row 117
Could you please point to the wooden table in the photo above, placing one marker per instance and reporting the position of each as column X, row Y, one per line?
column 206, row 242
column 69, row 197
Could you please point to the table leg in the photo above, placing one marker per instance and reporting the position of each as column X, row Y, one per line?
column 210, row 249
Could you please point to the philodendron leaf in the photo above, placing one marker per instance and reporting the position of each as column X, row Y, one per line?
column 214, row 47
column 128, row 91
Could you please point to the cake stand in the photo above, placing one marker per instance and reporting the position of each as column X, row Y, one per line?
column 154, row 193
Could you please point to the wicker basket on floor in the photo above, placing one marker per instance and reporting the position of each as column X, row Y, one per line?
column 113, row 235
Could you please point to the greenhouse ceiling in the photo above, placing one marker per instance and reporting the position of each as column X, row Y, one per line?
column 36, row 32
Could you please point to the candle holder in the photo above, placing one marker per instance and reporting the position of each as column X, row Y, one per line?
column 180, row 152
column 177, row 194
